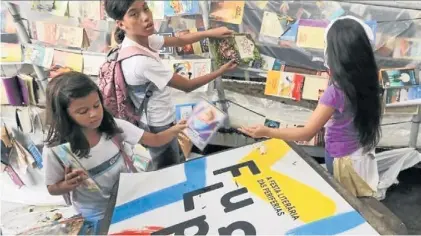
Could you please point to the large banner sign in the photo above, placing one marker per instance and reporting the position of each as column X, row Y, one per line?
column 264, row 188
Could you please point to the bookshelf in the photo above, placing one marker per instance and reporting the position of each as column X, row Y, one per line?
column 24, row 39
column 288, row 55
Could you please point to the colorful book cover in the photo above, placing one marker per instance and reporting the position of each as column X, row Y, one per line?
column 313, row 87
column 186, row 49
column 197, row 48
column 239, row 47
column 68, row 159
column 396, row 95
column 11, row 52
column 311, row 33
column 38, row 55
column 203, row 123
column 183, row 111
column 192, row 68
column 181, row 7
column 274, row 25
column 272, row 83
column 284, row 84
column 227, row 11
column 407, row 48
column 397, row 77
column 183, row 68
column 201, row 46
column 290, row 33
column 70, row 36
column 68, row 59
column 157, row 8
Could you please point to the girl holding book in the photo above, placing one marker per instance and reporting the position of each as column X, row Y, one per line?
column 77, row 119
column 350, row 108
column 135, row 28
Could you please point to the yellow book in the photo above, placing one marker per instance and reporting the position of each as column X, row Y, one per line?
column 68, row 59
column 11, row 52
column 272, row 83
column 314, row 86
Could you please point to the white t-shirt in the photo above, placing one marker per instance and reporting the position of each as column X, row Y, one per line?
column 104, row 164
column 139, row 70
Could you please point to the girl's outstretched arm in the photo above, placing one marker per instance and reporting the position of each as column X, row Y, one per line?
column 317, row 120
column 196, row 36
column 164, row 137
column 187, row 85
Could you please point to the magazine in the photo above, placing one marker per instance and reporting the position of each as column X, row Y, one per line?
column 204, row 123
column 66, row 157
column 240, row 47
column 397, row 77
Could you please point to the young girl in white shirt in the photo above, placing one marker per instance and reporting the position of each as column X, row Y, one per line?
column 135, row 28
column 77, row 117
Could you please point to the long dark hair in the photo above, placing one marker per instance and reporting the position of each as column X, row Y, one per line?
column 354, row 70
column 116, row 9
column 60, row 92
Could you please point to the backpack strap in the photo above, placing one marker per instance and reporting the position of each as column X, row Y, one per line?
column 117, row 140
column 131, row 51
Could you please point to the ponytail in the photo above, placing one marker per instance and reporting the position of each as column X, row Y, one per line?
column 119, row 35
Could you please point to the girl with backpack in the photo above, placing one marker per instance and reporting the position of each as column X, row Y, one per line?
column 91, row 138
column 350, row 108
column 135, row 28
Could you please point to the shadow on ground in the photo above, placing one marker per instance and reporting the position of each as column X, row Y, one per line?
column 404, row 199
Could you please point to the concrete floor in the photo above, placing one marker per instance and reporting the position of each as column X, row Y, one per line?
column 404, row 199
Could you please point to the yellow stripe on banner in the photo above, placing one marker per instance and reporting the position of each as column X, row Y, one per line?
column 285, row 194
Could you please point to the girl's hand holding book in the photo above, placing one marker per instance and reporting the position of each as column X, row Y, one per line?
column 180, row 126
column 231, row 65
column 73, row 178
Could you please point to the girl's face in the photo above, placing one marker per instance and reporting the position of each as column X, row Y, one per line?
column 138, row 20
column 87, row 111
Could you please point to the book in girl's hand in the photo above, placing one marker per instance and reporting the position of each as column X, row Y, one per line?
column 204, row 122
column 398, row 77
column 240, row 47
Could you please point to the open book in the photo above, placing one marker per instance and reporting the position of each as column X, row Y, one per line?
column 240, row 47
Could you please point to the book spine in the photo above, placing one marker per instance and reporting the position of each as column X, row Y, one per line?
column 14, row 176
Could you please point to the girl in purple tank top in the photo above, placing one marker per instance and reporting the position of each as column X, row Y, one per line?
column 350, row 108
